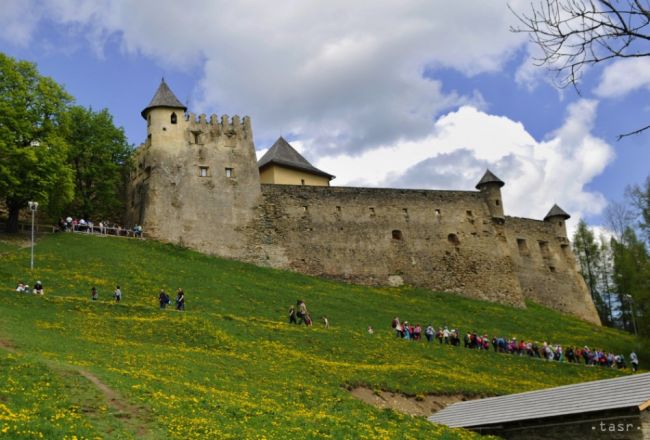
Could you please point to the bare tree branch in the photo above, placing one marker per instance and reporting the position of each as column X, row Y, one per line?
column 575, row 34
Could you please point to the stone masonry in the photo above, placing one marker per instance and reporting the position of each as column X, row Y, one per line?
column 195, row 182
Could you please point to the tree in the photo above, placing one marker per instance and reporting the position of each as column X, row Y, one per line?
column 639, row 197
column 98, row 153
column 632, row 279
column 576, row 34
column 588, row 253
column 32, row 151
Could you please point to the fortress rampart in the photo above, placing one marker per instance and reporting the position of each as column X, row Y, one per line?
column 196, row 182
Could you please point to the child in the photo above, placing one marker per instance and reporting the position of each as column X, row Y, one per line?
column 93, row 293
column 117, row 294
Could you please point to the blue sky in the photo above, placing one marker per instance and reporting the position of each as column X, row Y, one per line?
column 424, row 94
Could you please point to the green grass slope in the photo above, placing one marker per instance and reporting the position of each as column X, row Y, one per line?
column 230, row 366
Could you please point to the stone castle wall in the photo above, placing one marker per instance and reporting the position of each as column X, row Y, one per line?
column 546, row 267
column 444, row 240
column 171, row 198
column 195, row 182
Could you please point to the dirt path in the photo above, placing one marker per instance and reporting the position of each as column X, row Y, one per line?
column 422, row 406
column 127, row 411
column 7, row 345
column 132, row 416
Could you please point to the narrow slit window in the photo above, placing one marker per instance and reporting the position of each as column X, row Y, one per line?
column 497, row 202
column 523, row 247
column 174, row 118
column 543, row 248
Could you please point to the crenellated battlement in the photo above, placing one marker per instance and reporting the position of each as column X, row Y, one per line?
column 224, row 125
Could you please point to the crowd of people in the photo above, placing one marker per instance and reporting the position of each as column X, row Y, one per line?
column 163, row 298
column 299, row 314
column 499, row 344
column 72, row 224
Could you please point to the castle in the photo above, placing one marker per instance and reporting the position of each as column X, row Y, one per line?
column 197, row 182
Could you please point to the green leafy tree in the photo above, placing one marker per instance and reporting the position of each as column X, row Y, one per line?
column 98, row 153
column 589, row 257
column 33, row 153
column 639, row 198
column 632, row 279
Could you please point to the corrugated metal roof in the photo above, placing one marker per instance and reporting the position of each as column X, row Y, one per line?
column 600, row 395
column 282, row 153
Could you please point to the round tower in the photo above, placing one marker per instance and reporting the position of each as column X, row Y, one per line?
column 558, row 217
column 490, row 186
column 165, row 118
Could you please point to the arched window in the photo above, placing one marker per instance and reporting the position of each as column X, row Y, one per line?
column 173, row 118
column 453, row 239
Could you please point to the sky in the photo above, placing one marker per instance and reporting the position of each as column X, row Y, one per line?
column 387, row 93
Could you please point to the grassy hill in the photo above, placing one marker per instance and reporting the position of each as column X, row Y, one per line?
column 230, row 366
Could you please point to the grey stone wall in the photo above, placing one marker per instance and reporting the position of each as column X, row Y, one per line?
column 444, row 240
column 174, row 202
column 546, row 267
column 196, row 183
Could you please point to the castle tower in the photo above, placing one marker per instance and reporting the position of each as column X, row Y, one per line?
column 557, row 217
column 490, row 186
column 165, row 116
column 195, row 180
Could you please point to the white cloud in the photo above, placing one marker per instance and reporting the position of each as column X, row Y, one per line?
column 462, row 144
column 346, row 79
column 346, row 75
column 17, row 21
column 623, row 77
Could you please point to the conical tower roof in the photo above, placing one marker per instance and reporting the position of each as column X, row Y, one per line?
column 489, row 177
column 282, row 153
column 164, row 97
column 556, row 211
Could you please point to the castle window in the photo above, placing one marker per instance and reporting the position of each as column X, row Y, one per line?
column 523, row 247
column 229, row 172
column 453, row 239
column 437, row 213
column 305, row 208
column 469, row 214
column 543, row 247
column 406, row 213
column 302, row 181
column 397, row 234
column 372, row 212
column 197, row 136
column 497, row 202
column 338, row 209
column 173, row 118
column 203, row 171
column 551, row 268
column 559, row 223
column 148, row 120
